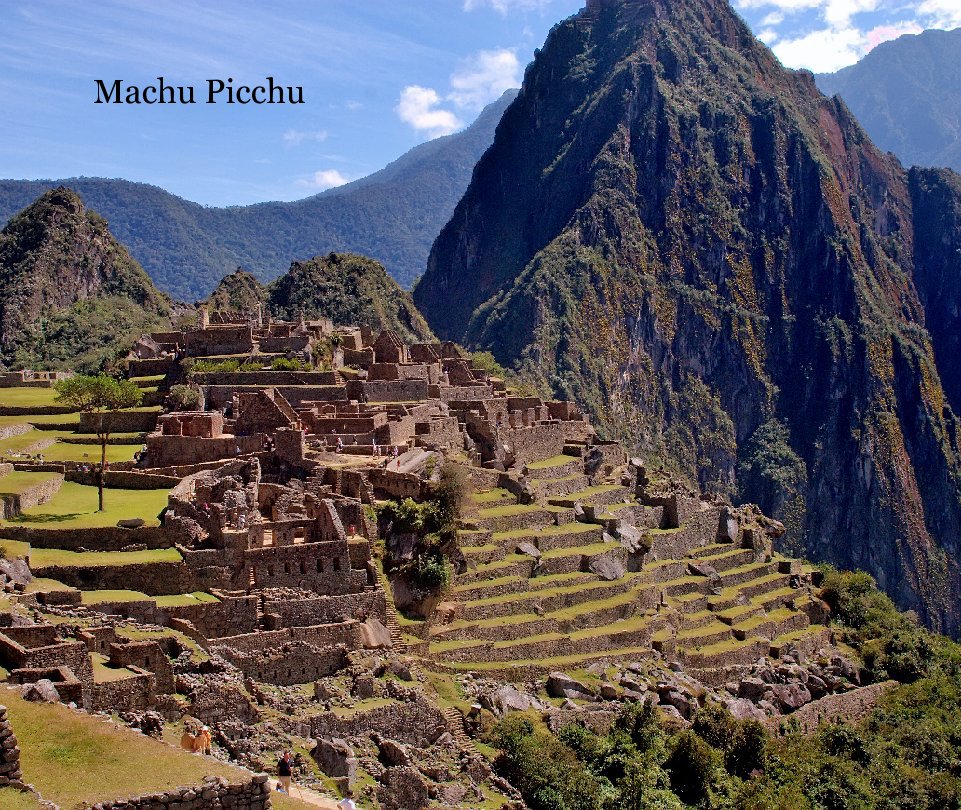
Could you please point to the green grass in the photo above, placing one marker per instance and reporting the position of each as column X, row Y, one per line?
column 547, row 531
column 184, row 599
column 14, row 549
column 74, row 758
column 38, row 419
column 492, row 496
column 45, row 557
column 64, row 451
column 16, row 483
column 11, row 799
column 27, row 397
column 102, row 673
column 590, row 492
column 44, row 585
column 19, row 443
column 548, row 463
column 75, row 507
column 504, row 511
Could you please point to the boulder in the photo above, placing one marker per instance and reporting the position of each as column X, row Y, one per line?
column 530, row 550
column 43, row 691
column 742, row 709
column 631, row 538
column 403, row 788
column 374, row 635
column 752, row 689
column 401, row 670
column 392, row 753
column 130, row 523
column 791, row 696
column 727, row 528
column 560, row 685
column 699, row 568
column 335, row 758
column 607, row 567
column 508, row 699
column 17, row 571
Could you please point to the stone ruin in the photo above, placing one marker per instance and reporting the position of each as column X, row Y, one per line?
column 569, row 556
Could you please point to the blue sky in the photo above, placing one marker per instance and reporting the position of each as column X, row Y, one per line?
column 378, row 77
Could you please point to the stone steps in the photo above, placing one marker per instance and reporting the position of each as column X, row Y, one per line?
column 728, row 559
column 746, row 573
column 742, row 593
column 771, row 625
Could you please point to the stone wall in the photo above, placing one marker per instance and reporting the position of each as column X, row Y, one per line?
column 120, row 421
column 126, row 694
column 12, row 505
column 415, row 722
column 110, row 538
column 328, row 609
column 244, row 379
column 289, row 664
column 153, row 579
column 214, row 792
column 9, row 753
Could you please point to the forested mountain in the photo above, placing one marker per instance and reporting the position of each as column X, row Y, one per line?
column 70, row 294
column 694, row 243
column 393, row 215
column 907, row 95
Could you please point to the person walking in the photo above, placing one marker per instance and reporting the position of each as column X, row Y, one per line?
column 284, row 771
column 347, row 803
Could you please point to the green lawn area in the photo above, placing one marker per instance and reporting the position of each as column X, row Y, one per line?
column 174, row 600
column 44, row 557
column 37, row 419
column 64, row 451
column 44, row 585
column 14, row 549
column 102, row 673
column 17, row 444
column 553, row 461
column 27, row 397
column 75, row 507
column 74, row 758
column 16, row 483
column 11, row 799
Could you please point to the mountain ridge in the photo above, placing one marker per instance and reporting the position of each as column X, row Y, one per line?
column 719, row 259
column 392, row 215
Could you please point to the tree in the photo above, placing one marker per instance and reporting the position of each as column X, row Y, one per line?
column 101, row 395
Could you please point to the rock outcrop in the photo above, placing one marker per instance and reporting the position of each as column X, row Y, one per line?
column 690, row 240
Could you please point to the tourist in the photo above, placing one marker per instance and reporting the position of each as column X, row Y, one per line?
column 347, row 803
column 284, row 771
column 340, row 445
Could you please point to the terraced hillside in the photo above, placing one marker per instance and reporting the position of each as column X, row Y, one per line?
column 563, row 581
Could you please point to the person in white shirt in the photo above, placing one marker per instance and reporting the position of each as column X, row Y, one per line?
column 347, row 803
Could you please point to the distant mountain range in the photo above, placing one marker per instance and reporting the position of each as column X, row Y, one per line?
column 392, row 216
column 907, row 95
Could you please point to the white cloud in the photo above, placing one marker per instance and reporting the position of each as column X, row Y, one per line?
column 354, row 105
column 323, row 179
column 941, row 13
column 768, row 36
column 295, row 137
column 484, row 78
column 505, row 7
column 822, row 51
column 420, row 107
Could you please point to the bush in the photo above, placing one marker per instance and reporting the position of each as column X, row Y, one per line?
column 184, row 398
column 288, row 364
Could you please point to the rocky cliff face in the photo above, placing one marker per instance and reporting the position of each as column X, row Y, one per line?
column 693, row 242
column 348, row 289
column 70, row 294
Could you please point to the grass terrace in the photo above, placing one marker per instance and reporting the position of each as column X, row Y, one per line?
column 64, row 420
column 553, row 461
column 28, row 397
column 16, row 483
column 173, row 600
column 75, row 507
column 73, row 758
column 46, row 557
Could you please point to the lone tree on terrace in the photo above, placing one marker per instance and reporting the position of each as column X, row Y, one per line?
column 101, row 395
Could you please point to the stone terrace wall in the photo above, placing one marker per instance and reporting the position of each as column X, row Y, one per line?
column 416, row 722
column 126, row 694
column 110, row 538
column 9, row 753
column 153, row 579
column 120, row 421
column 328, row 609
column 266, row 378
column 214, row 793
column 297, row 662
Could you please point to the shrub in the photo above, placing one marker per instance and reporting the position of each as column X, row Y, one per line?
column 288, row 364
column 183, row 398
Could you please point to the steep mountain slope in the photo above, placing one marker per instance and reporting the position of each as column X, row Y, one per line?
column 238, row 292
column 690, row 240
column 70, row 294
column 393, row 215
column 347, row 289
column 907, row 95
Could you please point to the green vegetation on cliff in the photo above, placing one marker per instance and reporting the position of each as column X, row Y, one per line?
column 348, row 289
column 70, row 294
column 692, row 242
column 238, row 292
